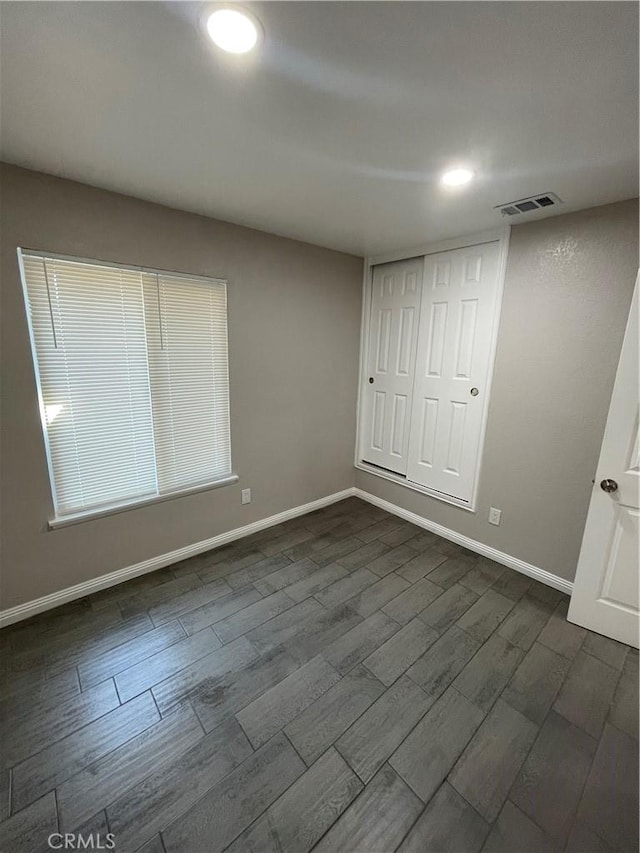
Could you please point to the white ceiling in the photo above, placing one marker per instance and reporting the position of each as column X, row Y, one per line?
column 337, row 129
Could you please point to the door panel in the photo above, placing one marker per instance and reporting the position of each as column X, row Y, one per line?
column 437, row 329
column 399, row 424
column 428, row 430
column 405, row 343
column 605, row 591
column 620, row 587
column 455, row 443
column 395, row 308
column 454, row 348
column 379, row 402
column 384, row 336
column 466, row 338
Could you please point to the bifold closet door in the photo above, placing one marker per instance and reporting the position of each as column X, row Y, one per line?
column 395, row 305
column 459, row 296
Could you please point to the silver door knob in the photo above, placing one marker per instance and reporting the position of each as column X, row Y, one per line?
column 474, row 392
column 609, row 486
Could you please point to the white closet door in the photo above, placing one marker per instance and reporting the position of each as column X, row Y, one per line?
column 395, row 307
column 452, row 368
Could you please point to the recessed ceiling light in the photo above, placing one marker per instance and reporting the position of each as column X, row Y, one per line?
column 232, row 31
column 457, row 177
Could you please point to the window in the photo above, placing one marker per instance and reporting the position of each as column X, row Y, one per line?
column 132, row 369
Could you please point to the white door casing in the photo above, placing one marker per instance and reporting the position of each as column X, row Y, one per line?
column 454, row 354
column 395, row 308
column 605, row 591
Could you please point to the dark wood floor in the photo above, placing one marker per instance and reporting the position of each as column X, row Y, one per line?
column 344, row 682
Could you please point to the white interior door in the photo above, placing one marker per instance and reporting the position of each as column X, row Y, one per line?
column 605, row 592
column 455, row 343
column 395, row 305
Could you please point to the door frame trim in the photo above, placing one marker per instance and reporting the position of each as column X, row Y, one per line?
column 400, row 480
column 498, row 235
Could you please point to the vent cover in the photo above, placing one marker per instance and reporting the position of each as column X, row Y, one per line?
column 526, row 205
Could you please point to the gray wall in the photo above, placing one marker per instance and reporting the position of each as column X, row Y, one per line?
column 567, row 293
column 294, row 327
column 294, row 324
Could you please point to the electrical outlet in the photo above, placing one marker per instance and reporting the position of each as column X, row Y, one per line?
column 494, row 515
column 245, row 496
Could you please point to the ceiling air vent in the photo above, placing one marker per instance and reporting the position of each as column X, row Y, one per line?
column 525, row 205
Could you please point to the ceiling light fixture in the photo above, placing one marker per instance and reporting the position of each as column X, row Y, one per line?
column 232, row 30
column 457, row 177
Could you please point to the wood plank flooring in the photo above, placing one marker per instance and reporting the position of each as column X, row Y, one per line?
column 344, row 682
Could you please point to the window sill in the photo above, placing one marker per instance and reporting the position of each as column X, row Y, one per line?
column 91, row 514
column 415, row 487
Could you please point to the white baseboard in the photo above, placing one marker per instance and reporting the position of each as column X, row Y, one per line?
column 55, row 599
column 486, row 550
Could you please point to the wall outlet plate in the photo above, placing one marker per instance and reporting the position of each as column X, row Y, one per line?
column 494, row 515
column 245, row 496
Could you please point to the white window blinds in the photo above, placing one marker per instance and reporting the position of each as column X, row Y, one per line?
column 188, row 369
column 133, row 380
